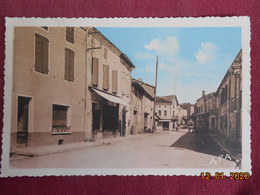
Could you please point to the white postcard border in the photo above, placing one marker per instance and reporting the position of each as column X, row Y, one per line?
column 243, row 22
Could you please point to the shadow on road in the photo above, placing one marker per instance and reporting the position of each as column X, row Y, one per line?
column 202, row 143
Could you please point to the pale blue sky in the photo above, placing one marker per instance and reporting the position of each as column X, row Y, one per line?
column 190, row 59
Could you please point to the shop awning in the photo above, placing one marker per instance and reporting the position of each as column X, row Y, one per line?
column 110, row 97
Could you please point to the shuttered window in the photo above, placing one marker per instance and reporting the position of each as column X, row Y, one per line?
column 41, row 54
column 70, row 34
column 105, row 77
column 69, row 65
column 59, row 115
column 114, row 81
column 94, row 72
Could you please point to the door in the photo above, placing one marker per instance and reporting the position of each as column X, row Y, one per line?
column 22, row 121
column 166, row 126
column 95, row 118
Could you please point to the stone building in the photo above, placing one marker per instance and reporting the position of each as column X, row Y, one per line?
column 229, row 97
column 168, row 112
column 142, row 105
column 48, row 86
column 108, row 87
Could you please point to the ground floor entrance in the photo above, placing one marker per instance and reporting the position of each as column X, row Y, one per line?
column 22, row 121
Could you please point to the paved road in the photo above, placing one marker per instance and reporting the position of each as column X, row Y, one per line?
column 164, row 150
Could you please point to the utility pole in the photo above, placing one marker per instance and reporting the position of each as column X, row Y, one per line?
column 156, row 75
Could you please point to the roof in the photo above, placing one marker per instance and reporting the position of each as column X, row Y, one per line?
column 208, row 96
column 147, row 87
column 137, row 84
column 166, row 99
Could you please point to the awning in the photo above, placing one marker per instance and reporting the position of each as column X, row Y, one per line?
column 111, row 98
column 165, row 120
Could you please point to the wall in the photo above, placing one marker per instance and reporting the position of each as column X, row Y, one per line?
column 46, row 90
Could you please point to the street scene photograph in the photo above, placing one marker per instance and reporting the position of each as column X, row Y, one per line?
column 126, row 97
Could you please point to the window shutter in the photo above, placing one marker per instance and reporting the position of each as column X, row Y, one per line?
column 114, row 81
column 38, row 44
column 94, row 78
column 41, row 54
column 67, row 61
column 72, row 55
column 70, row 34
column 45, row 55
column 105, row 77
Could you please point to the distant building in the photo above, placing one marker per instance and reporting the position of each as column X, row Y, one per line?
column 205, row 114
column 142, row 104
column 190, row 109
column 168, row 112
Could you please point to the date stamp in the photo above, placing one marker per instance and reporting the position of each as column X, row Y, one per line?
column 222, row 176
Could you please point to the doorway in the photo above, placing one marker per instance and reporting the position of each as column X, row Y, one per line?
column 95, row 118
column 22, row 121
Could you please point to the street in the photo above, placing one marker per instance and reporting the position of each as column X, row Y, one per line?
column 160, row 150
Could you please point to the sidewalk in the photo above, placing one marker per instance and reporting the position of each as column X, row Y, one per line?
column 21, row 153
column 233, row 149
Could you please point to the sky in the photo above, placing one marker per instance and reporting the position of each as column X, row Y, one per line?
column 190, row 59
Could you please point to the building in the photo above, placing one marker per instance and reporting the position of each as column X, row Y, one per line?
column 229, row 98
column 48, row 86
column 168, row 112
column 205, row 115
column 108, row 88
column 190, row 109
column 69, row 84
column 142, row 105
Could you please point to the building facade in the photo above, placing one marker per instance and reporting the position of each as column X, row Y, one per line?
column 69, row 84
column 205, row 114
column 168, row 112
column 48, row 86
column 142, row 105
column 220, row 112
column 108, row 87
column 229, row 98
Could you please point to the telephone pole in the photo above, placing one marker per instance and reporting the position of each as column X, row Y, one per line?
column 156, row 75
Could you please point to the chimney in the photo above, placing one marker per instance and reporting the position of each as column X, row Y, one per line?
column 203, row 93
column 140, row 79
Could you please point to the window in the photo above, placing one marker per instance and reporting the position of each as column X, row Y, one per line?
column 59, row 116
column 70, row 34
column 45, row 27
column 173, row 105
column 105, row 77
column 69, row 65
column 114, row 81
column 41, row 54
column 94, row 72
column 160, row 112
column 105, row 53
column 165, row 113
column 173, row 113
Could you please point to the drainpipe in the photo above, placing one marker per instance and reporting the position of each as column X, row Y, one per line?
column 85, row 84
